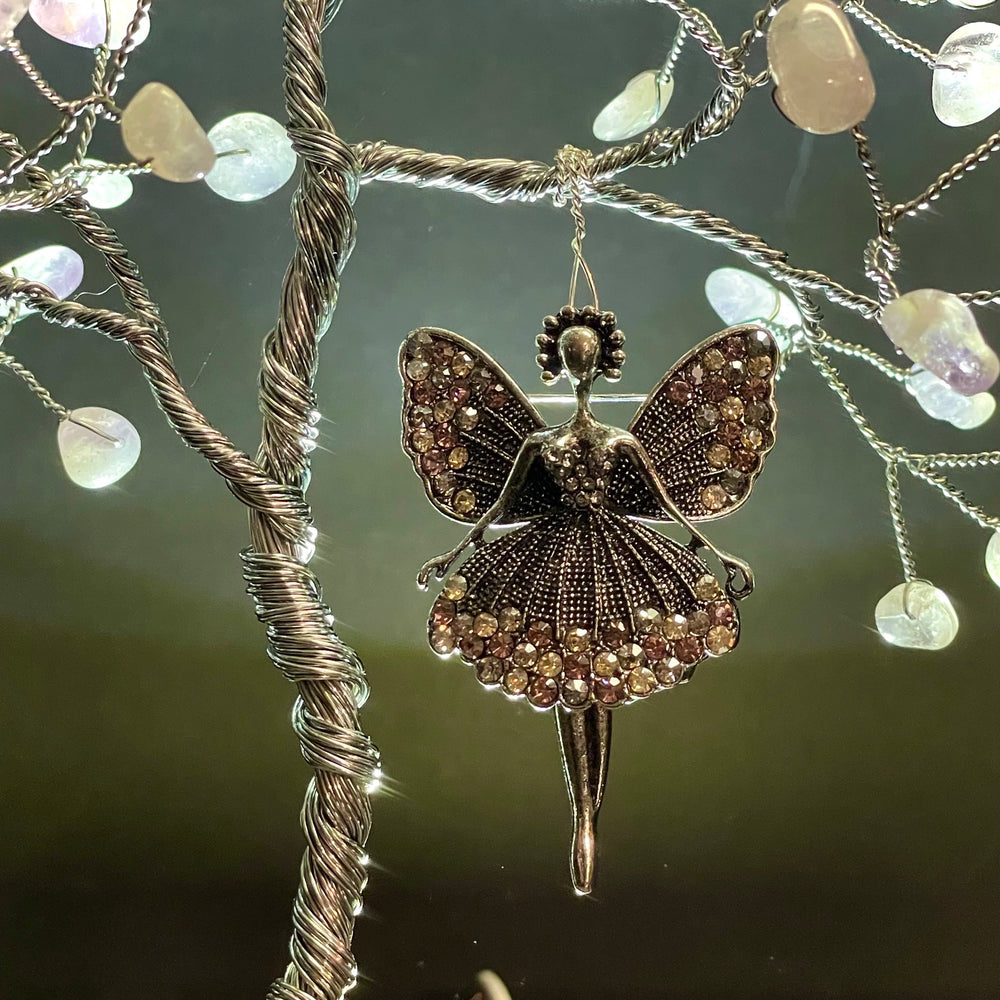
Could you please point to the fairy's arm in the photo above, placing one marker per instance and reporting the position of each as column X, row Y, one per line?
column 526, row 456
column 637, row 454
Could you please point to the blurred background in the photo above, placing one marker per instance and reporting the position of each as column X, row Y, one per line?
column 815, row 817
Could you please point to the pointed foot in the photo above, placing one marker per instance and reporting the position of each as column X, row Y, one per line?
column 584, row 855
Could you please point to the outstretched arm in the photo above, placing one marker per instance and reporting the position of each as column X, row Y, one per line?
column 439, row 565
column 639, row 457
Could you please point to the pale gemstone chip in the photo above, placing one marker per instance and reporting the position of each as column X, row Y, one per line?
column 266, row 165
column 916, row 615
column 824, row 83
column 972, row 4
column 741, row 297
column 940, row 401
column 636, row 108
column 938, row 331
column 11, row 13
column 90, row 458
column 104, row 190
column 84, row 22
column 57, row 267
column 993, row 558
column 158, row 128
column 966, row 83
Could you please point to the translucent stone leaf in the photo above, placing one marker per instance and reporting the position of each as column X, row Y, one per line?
column 916, row 615
column 966, row 82
column 106, row 190
column 741, row 297
column 84, row 22
column 57, row 267
column 636, row 108
column 972, row 4
column 97, row 446
column 993, row 558
column 266, row 164
column 938, row 331
column 940, row 401
column 824, row 83
column 11, row 14
column 158, row 128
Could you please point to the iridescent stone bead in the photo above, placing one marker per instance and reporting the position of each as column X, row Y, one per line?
column 11, row 13
column 675, row 627
column 993, row 558
column 97, row 446
column 641, row 682
column 85, row 22
column 631, row 656
column 613, row 634
column 515, row 681
column 916, row 615
column 464, row 501
column 714, row 497
column 575, row 692
column 731, row 408
column 500, row 644
column 636, row 108
column 467, row 418
column 966, row 82
column 720, row 639
column 543, row 692
column 260, row 161
column 576, row 640
column 938, row 331
column 525, row 655
column 104, row 188
column 605, row 663
column 539, row 634
column 57, row 267
column 739, row 297
column 485, row 624
column 455, row 587
column 654, row 646
column 549, row 664
column 610, row 690
column 824, row 82
column 471, row 647
column 689, row 649
column 442, row 639
column 489, row 670
column 509, row 619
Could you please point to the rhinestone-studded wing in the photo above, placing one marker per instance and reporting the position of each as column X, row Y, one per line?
column 707, row 427
column 464, row 420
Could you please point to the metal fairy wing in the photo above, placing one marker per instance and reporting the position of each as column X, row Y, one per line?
column 464, row 421
column 707, row 427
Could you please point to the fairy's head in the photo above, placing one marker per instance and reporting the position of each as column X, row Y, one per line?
column 581, row 344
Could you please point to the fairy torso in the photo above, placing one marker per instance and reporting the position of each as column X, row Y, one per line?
column 580, row 459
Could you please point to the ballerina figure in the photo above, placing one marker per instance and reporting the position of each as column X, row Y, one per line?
column 582, row 606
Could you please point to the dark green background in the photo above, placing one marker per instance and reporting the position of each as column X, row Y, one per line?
column 816, row 817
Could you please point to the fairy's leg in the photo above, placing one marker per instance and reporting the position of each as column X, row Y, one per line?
column 585, row 739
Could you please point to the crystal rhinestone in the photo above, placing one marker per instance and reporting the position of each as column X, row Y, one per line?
column 467, row 418
column 500, row 644
column 459, row 393
column 515, row 681
column 966, row 82
column 678, row 391
column 605, row 663
column 575, row 692
column 549, row 664
column 938, row 331
column 675, row 627
column 699, row 623
column 689, row 649
column 489, row 670
column 509, row 619
column 84, row 22
column 613, row 634
column 97, row 446
column 462, row 364
column 455, row 587
column 471, row 646
column 464, row 501
column 916, row 615
column 540, row 634
column 752, row 437
column 696, row 373
column 577, row 665
column 636, row 108
column 463, row 624
column 735, row 373
column 714, row 497
column 753, row 389
column 543, row 692
column 422, row 393
column 722, row 613
column 525, row 654
column 418, row 369
column 648, row 618
column 496, row 397
column 641, row 682
column 440, row 378
column 720, row 639
column 158, row 129
column 739, row 297
column 422, row 440
column 433, row 462
column 446, row 437
column 631, row 656
column 706, row 417
column 420, row 416
column 718, row 455
column 442, row 639
column 264, row 164
column 670, row 672
column 993, row 558
column 485, row 624
column 707, row 588
column 733, row 482
column 444, row 410
column 59, row 268
column 716, row 389
column 714, row 360
column 576, row 640
column 458, row 458
column 745, row 461
column 443, row 611
column 757, row 414
column 729, row 434
column 731, row 408
column 610, row 690
column 760, row 366
column 445, row 483
column 824, row 83
column 734, row 348
column 654, row 646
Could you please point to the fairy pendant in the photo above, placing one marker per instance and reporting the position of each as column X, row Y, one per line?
column 583, row 606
